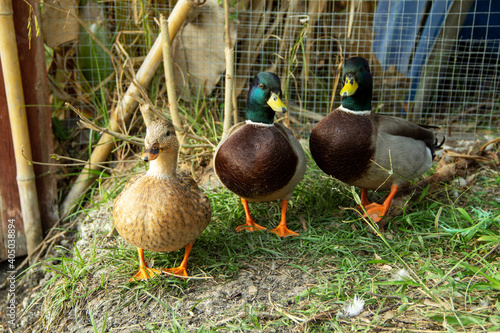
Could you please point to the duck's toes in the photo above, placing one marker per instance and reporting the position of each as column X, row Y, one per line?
column 375, row 211
column 250, row 226
column 178, row 271
column 282, row 231
column 145, row 273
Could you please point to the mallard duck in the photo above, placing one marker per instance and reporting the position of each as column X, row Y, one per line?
column 161, row 210
column 260, row 160
column 367, row 150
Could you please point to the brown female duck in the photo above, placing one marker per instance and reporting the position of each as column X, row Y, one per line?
column 371, row 151
column 260, row 160
column 161, row 210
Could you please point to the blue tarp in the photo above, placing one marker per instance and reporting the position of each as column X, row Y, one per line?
column 405, row 31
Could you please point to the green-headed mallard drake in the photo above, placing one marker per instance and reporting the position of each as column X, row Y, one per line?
column 161, row 210
column 260, row 160
column 369, row 150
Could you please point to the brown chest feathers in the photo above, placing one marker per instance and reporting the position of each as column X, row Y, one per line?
column 341, row 145
column 161, row 214
column 255, row 161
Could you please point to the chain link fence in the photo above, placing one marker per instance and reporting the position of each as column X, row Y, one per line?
column 433, row 62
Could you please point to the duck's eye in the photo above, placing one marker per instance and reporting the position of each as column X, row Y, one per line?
column 168, row 133
column 261, row 85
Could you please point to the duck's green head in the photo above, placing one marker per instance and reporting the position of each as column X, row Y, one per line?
column 357, row 79
column 264, row 98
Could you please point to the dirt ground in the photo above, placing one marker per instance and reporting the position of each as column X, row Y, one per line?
column 269, row 286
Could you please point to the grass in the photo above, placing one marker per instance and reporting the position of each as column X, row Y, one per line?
column 452, row 282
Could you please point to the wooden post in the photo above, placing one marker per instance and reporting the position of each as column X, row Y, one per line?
column 19, row 125
column 33, row 64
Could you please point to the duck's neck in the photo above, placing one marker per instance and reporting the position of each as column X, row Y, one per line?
column 163, row 165
column 258, row 113
column 359, row 101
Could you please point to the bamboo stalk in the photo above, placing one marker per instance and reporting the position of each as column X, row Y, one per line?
column 125, row 107
column 229, row 53
column 169, row 81
column 19, row 126
column 146, row 114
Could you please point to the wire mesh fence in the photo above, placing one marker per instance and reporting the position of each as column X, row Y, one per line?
column 433, row 62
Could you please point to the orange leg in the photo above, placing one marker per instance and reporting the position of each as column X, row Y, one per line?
column 250, row 224
column 144, row 273
column 376, row 211
column 182, row 268
column 281, row 230
column 364, row 197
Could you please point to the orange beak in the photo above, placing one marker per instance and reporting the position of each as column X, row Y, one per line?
column 151, row 153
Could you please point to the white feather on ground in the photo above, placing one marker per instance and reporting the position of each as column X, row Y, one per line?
column 401, row 275
column 352, row 309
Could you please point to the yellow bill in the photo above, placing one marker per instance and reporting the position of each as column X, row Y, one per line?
column 276, row 103
column 350, row 86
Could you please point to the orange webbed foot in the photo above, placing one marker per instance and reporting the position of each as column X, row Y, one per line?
column 181, row 270
column 374, row 210
column 250, row 224
column 282, row 231
column 145, row 273
column 177, row 271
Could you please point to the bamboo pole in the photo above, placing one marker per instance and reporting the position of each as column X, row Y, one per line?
column 19, row 126
column 169, row 81
column 125, row 107
column 146, row 113
column 229, row 53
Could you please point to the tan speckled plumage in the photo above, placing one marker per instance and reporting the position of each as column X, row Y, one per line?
column 161, row 213
column 161, row 210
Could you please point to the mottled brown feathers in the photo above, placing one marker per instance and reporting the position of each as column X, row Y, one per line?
column 161, row 210
column 256, row 161
column 161, row 214
column 341, row 144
